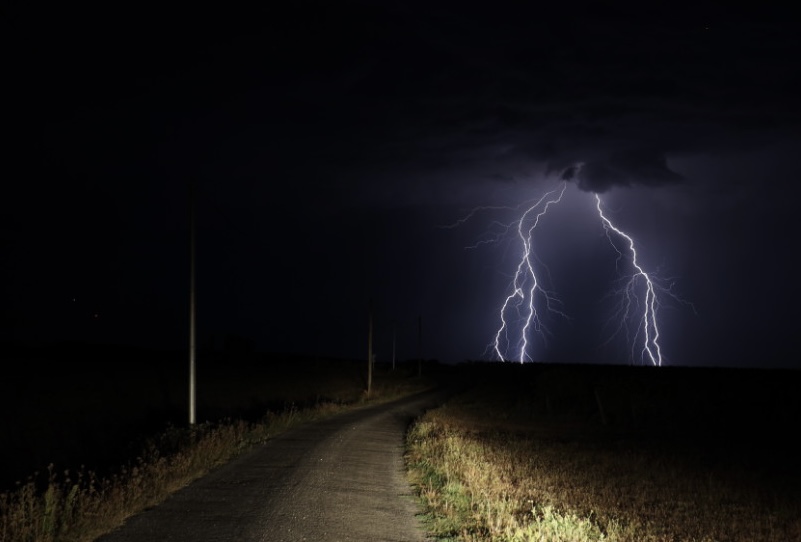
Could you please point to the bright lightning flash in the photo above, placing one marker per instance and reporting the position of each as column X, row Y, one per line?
column 522, row 310
column 526, row 287
column 639, row 292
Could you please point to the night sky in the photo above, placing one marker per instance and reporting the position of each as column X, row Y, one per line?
column 335, row 146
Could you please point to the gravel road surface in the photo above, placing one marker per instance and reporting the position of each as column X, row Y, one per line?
column 339, row 479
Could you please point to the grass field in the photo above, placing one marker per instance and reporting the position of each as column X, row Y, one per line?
column 619, row 454
column 523, row 452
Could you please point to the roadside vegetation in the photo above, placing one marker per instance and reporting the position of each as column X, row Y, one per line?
column 79, row 504
column 555, row 455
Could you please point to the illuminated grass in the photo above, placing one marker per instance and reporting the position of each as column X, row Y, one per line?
column 485, row 473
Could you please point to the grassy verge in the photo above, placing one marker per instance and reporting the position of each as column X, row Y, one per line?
column 488, row 470
column 79, row 506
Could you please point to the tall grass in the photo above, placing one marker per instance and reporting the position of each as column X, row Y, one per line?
column 483, row 474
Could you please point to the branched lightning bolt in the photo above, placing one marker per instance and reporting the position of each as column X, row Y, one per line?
column 521, row 312
column 635, row 286
column 526, row 286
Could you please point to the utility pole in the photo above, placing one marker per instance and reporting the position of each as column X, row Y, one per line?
column 419, row 346
column 393, row 346
column 370, row 348
column 191, row 303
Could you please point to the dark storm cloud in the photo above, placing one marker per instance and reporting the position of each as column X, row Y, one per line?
column 617, row 92
column 335, row 102
column 625, row 168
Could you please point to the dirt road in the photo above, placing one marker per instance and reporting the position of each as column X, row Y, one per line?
column 340, row 479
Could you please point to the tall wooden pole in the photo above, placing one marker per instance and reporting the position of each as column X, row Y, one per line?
column 191, row 304
column 370, row 349
column 419, row 346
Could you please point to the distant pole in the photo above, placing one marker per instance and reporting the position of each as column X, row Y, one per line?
column 191, row 304
column 393, row 347
column 419, row 346
column 370, row 349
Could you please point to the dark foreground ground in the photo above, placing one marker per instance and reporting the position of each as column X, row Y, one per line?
column 74, row 405
column 93, row 407
column 739, row 419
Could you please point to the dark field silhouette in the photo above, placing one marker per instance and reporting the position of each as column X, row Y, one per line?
column 75, row 405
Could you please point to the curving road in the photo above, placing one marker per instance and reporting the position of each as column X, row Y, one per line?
column 338, row 479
